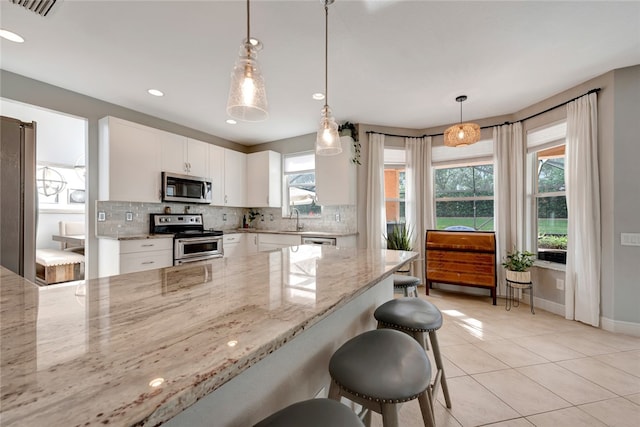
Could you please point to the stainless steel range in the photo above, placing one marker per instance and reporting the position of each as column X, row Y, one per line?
column 191, row 242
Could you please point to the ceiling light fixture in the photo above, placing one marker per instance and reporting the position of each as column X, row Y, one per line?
column 231, row 122
column 318, row 96
column 8, row 35
column 328, row 139
column 248, row 96
column 462, row 134
column 155, row 92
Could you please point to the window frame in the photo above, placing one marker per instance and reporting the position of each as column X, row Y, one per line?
column 557, row 139
column 286, row 205
column 467, row 163
column 395, row 161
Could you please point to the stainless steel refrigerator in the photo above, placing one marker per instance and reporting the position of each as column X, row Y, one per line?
column 18, row 197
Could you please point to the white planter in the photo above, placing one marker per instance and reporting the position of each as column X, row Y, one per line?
column 519, row 276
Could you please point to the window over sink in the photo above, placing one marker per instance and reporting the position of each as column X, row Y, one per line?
column 299, row 181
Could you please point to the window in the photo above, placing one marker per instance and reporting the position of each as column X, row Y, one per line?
column 300, row 185
column 394, row 187
column 551, row 204
column 464, row 197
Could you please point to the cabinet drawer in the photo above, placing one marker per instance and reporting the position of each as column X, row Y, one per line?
column 231, row 238
column 283, row 240
column 145, row 245
column 142, row 261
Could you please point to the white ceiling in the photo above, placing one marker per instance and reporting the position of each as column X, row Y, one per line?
column 391, row 63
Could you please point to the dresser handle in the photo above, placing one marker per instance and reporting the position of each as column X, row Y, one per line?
column 148, row 262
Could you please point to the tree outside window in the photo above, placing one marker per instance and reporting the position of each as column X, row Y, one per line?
column 464, row 197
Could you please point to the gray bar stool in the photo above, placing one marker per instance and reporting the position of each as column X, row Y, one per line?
column 379, row 369
column 407, row 284
column 416, row 316
column 313, row 413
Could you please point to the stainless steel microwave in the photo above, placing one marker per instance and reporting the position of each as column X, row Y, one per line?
column 185, row 188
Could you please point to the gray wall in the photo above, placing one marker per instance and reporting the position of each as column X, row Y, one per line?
column 626, row 194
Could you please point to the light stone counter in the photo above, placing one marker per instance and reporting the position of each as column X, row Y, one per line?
column 85, row 354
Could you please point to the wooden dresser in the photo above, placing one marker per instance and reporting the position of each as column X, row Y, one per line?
column 466, row 258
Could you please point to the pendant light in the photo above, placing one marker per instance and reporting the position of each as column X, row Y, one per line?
column 462, row 134
column 328, row 139
column 247, row 96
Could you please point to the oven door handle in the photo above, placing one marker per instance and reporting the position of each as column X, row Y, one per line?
column 199, row 239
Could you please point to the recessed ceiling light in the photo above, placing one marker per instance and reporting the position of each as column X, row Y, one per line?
column 231, row 122
column 5, row 34
column 155, row 92
column 318, row 96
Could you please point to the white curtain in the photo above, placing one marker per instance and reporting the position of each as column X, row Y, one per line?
column 582, row 290
column 376, row 209
column 509, row 197
column 418, row 196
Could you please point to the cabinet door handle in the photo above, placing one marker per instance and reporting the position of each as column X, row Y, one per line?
column 148, row 262
column 225, row 199
column 148, row 245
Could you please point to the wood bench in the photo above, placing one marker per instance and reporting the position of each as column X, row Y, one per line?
column 56, row 266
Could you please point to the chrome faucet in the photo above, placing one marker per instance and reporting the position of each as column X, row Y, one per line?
column 298, row 226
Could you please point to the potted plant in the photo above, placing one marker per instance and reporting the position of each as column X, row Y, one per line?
column 400, row 239
column 517, row 264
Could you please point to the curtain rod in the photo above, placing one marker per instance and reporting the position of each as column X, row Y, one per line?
column 596, row 90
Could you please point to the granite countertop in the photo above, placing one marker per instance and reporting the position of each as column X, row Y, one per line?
column 298, row 233
column 135, row 236
column 87, row 353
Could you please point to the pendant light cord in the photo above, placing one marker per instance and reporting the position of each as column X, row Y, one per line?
column 248, row 24
column 326, row 53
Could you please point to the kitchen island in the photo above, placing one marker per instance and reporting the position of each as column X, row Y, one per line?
column 223, row 342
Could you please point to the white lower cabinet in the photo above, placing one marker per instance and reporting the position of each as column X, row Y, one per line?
column 346, row 241
column 129, row 256
column 270, row 242
column 234, row 244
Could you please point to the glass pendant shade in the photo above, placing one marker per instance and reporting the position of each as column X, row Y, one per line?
column 461, row 135
column 247, row 95
column 328, row 139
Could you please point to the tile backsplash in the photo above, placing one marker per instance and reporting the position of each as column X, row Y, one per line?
column 131, row 218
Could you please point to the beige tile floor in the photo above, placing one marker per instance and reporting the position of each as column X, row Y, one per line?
column 515, row 369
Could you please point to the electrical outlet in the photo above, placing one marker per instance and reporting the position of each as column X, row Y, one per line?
column 560, row 284
column 128, row 216
column 224, row 217
column 630, row 239
column 270, row 217
column 102, row 216
column 337, row 217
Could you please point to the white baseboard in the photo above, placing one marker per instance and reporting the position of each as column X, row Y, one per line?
column 620, row 327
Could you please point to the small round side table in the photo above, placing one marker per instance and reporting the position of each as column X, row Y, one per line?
column 511, row 300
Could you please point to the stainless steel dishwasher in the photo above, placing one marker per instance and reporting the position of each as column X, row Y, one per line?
column 312, row 240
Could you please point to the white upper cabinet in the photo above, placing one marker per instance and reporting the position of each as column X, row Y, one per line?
column 264, row 181
column 216, row 174
column 336, row 177
column 184, row 155
column 235, row 178
column 129, row 162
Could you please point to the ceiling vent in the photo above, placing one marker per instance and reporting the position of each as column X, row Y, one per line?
column 41, row 7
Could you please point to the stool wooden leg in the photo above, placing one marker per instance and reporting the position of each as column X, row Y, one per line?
column 334, row 391
column 389, row 415
column 440, row 366
column 426, row 407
